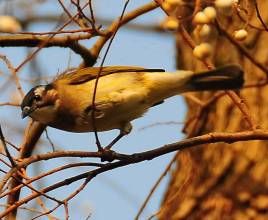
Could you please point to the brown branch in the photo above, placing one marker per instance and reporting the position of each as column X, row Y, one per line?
column 11, row 160
column 155, row 27
column 242, row 49
column 47, row 212
column 92, row 16
column 27, row 161
column 29, row 209
column 14, row 73
column 68, row 13
column 31, row 136
column 83, row 52
column 45, row 42
column 239, row 102
column 67, row 41
column 30, row 40
column 95, row 50
column 39, row 192
column 10, row 104
column 44, row 208
column 247, row 22
column 36, row 130
column 139, row 157
column 187, row 143
column 259, row 15
column 82, row 15
column 66, row 210
column 6, row 163
column 155, row 187
column 235, row 98
column 68, row 166
column 81, row 30
column 89, row 56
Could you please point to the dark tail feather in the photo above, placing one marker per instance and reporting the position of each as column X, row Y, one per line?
column 222, row 78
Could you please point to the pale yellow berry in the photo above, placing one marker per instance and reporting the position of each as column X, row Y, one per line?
column 9, row 24
column 202, row 51
column 210, row 12
column 202, row 32
column 224, row 3
column 174, row 2
column 240, row 35
column 225, row 6
column 205, row 31
column 166, row 6
column 201, row 18
column 170, row 23
column 196, row 31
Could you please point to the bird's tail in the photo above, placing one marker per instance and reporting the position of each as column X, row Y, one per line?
column 222, row 78
column 165, row 85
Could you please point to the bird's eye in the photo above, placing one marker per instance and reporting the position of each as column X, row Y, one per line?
column 37, row 97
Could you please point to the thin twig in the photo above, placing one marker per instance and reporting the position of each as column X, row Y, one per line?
column 259, row 15
column 47, row 41
column 147, row 155
column 155, row 187
column 47, row 213
column 10, row 104
column 235, row 98
column 240, row 103
column 14, row 73
column 242, row 49
column 95, row 50
column 68, row 166
column 29, row 209
column 68, row 13
column 50, row 141
column 13, row 163
column 31, row 136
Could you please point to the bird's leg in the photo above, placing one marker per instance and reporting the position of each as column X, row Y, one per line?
column 117, row 138
column 107, row 153
column 125, row 130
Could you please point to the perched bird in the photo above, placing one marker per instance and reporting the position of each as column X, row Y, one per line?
column 123, row 94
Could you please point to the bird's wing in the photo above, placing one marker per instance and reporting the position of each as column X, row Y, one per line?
column 84, row 75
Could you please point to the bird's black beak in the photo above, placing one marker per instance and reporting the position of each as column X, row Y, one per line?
column 26, row 111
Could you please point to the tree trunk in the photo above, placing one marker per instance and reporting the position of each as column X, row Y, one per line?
column 224, row 181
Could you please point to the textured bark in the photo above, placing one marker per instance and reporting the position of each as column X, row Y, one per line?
column 221, row 181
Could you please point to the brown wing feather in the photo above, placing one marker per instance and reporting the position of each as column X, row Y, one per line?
column 83, row 75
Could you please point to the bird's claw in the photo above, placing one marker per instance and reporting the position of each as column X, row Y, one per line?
column 108, row 155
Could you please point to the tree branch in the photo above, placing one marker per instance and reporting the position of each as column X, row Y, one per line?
column 32, row 135
column 95, row 50
column 131, row 159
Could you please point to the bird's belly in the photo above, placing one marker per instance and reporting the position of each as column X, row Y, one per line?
column 116, row 104
column 114, row 119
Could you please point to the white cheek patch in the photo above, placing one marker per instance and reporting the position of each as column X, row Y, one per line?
column 45, row 114
column 39, row 90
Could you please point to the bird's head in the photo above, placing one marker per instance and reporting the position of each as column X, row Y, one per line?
column 40, row 103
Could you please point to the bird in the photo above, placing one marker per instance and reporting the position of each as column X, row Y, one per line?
column 123, row 93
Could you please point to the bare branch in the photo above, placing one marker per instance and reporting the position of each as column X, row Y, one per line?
column 139, row 157
column 95, row 50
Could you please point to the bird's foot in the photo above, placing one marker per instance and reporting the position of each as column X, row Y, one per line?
column 125, row 130
column 110, row 155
